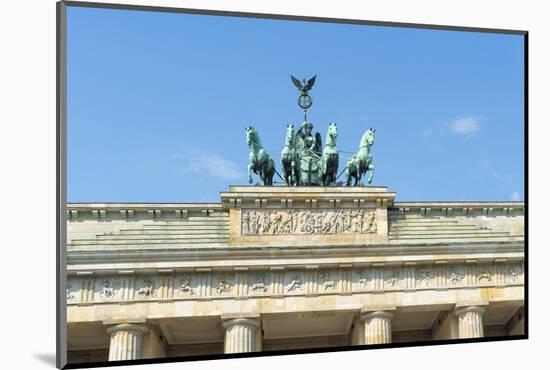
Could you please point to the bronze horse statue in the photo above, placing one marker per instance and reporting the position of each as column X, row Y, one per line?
column 290, row 161
column 258, row 160
column 330, row 157
column 361, row 162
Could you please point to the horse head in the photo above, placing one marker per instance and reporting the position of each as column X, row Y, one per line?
column 332, row 130
column 332, row 134
column 251, row 135
column 368, row 137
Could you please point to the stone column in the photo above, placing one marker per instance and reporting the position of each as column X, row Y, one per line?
column 126, row 341
column 470, row 322
column 241, row 334
column 377, row 326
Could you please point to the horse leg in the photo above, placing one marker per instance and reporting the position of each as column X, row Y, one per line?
column 358, row 176
column 292, row 173
column 371, row 168
column 250, row 173
column 269, row 178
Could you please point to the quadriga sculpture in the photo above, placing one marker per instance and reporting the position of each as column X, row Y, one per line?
column 361, row 162
column 258, row 159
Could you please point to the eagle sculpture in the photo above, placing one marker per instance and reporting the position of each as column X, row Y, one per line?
column 303, row 86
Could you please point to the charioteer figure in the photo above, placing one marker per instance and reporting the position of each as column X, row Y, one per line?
column 306, row 143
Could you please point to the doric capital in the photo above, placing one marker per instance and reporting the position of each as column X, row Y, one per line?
column 459, row 311
column 128, row 327
column 251, row 320
column 386, row 313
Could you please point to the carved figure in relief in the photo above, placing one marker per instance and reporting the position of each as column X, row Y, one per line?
column 333, row 223
column 265, row 223
column 287, row 223
column 246, row 223
column 69, row 294
column 259, row 284
column 511, row 274
column 254, row 223
column 295, row 284
column 106, row 290
column 328, row 284
column 185, row 287
column 224, row 286
column 325, row 229
column 393, row 279
column 369, row 222
column 363, row 279
column 357, row 220
column 456, row 278
column 148, row 288
column 275, row 220
column 424, row 276
column 484, row 275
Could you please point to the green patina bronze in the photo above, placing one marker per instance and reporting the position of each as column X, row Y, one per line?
column 308, row 148
column 290, row 160
column 330, row 158
column 259, row 161
column 361, row 162
column 304, row 160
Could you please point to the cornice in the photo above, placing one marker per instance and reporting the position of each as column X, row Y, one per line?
column 235, row 254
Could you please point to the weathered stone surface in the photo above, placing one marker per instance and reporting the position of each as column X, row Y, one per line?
column 184, row 270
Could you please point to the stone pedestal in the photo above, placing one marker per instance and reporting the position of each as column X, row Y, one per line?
column 470, row 321
column 241, row 335
column 126, row 342
column 377, row 326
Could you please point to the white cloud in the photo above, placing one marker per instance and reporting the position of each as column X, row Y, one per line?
column 465, row 126
column 210, row 163
column 515, row 196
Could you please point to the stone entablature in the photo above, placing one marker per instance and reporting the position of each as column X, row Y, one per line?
column 280, row 281
column 267, row 262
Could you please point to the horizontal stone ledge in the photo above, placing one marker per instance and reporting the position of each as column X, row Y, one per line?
column 287, row 264
column 82, row 260
column 142, row 206
column 275, row 312
column 459, row 204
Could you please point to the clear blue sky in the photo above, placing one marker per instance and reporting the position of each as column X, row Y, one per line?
column 158, row 103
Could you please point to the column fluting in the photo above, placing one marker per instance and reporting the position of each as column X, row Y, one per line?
column 240, row 335
column 377, row 326
column 126, row 341
column 470, row 321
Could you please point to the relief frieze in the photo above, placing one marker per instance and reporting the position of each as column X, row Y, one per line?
column 308, row 222
column 199, row 286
